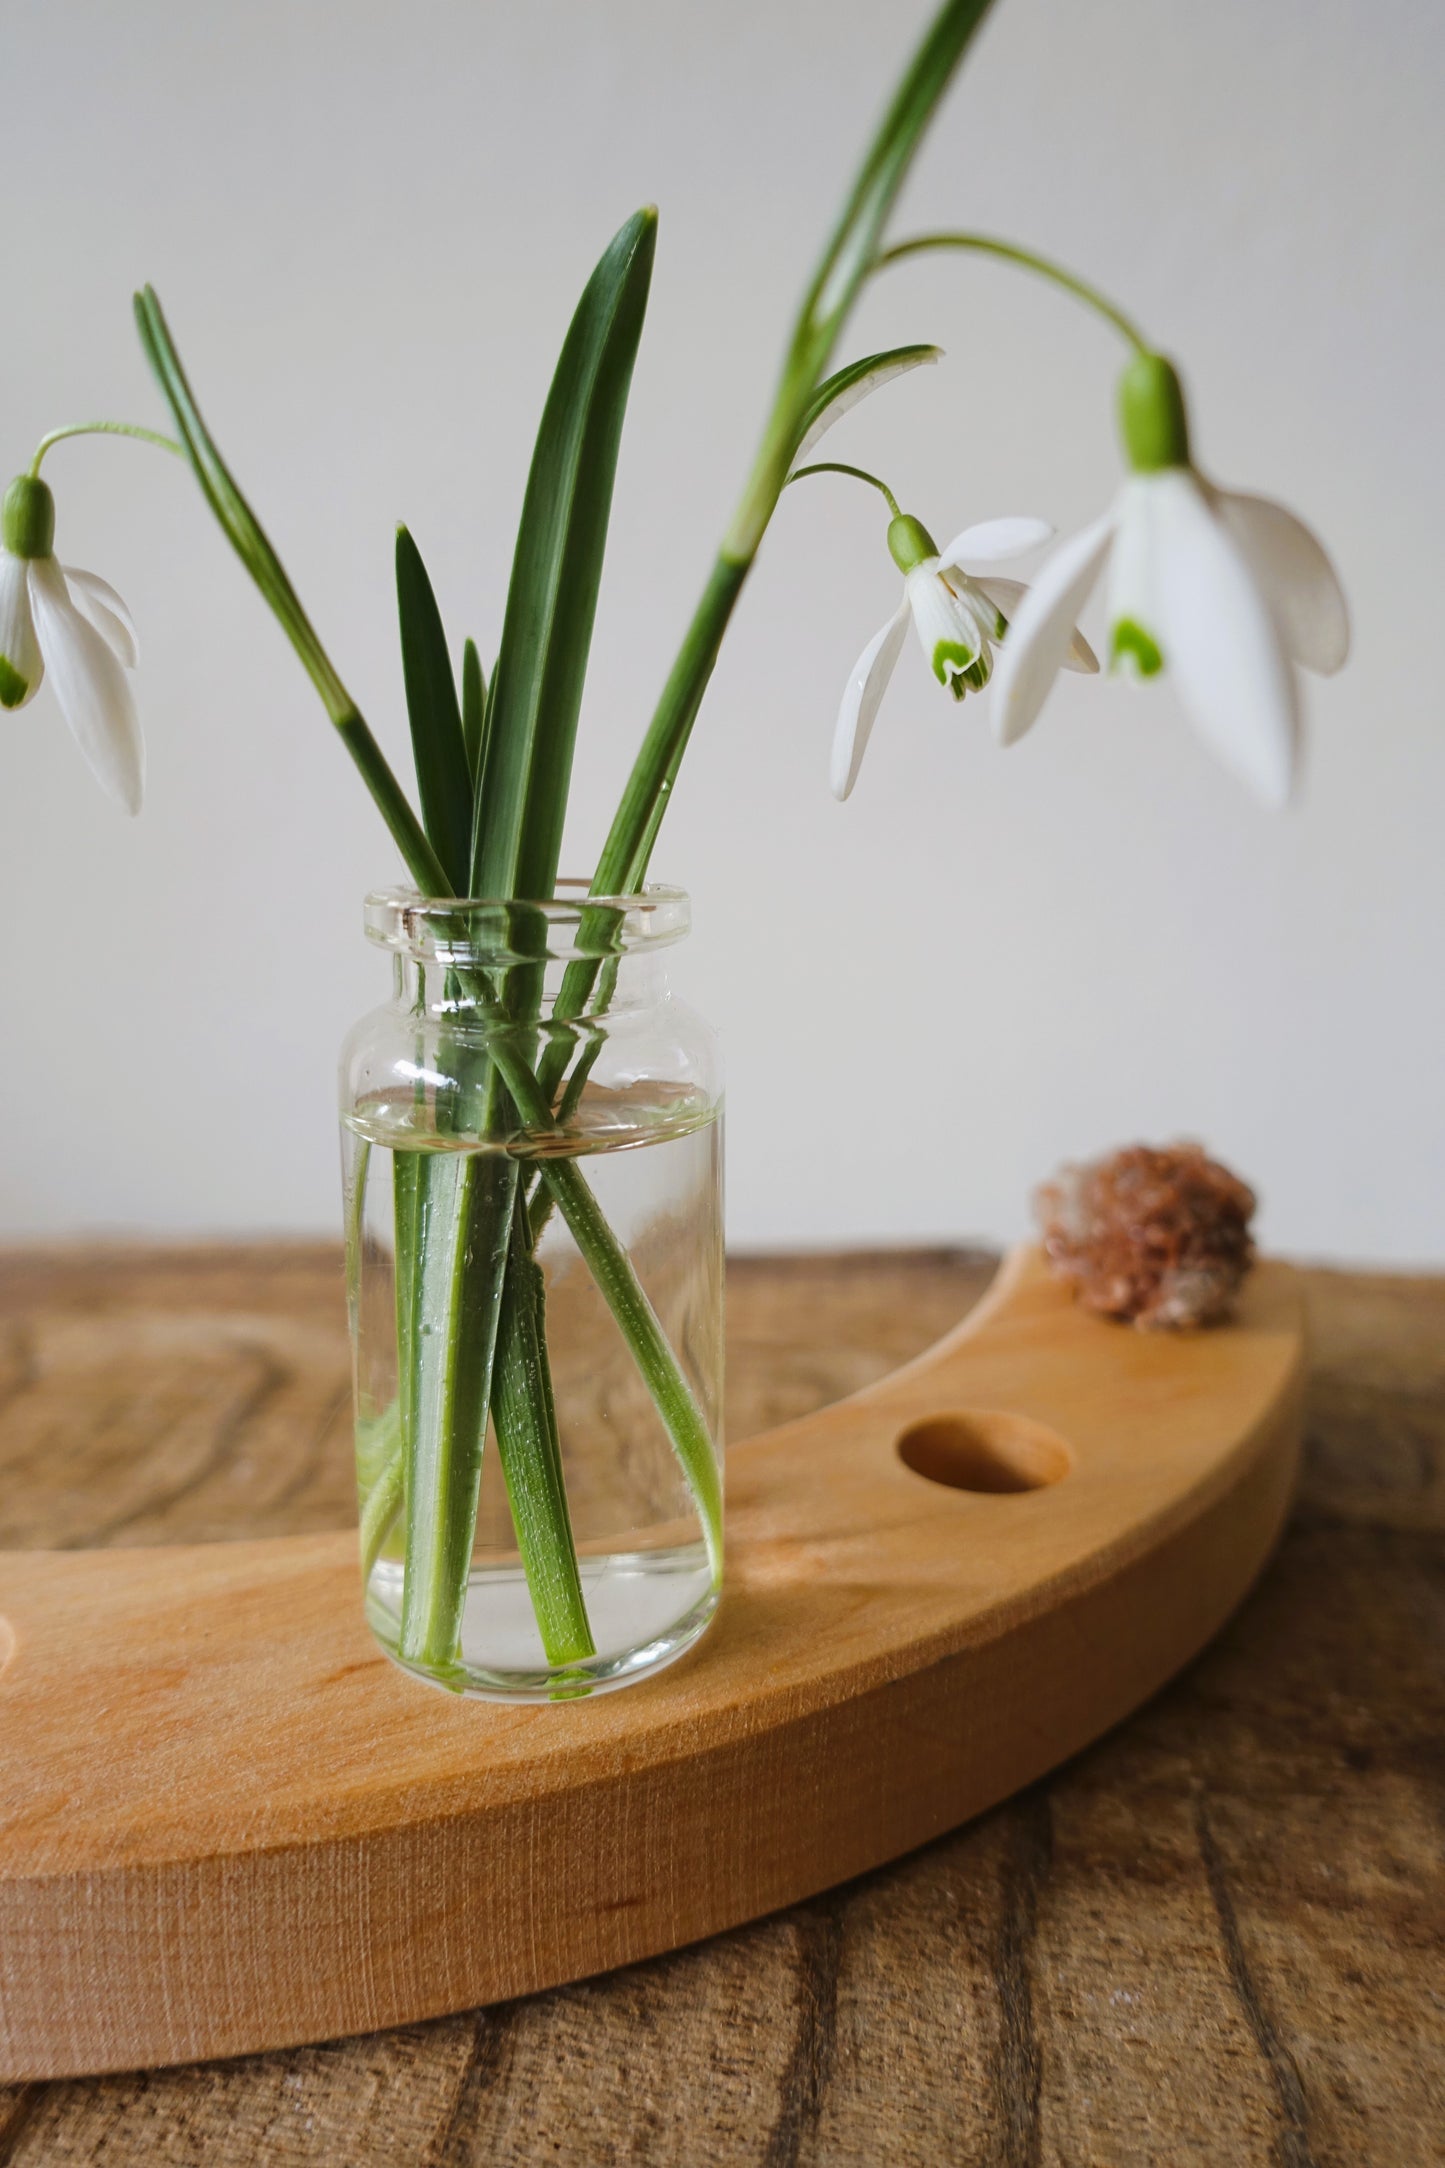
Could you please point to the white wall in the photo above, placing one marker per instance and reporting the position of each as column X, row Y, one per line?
column 369, row 224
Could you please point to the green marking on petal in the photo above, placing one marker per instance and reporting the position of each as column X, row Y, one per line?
column 978, row 673
column 950, row 658
column 13, row 687
column 1131, row 643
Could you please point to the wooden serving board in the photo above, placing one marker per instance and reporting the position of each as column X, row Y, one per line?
column 227, row 1823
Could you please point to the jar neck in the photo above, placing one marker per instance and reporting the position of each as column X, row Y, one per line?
column 482, row 962
column 480, row 995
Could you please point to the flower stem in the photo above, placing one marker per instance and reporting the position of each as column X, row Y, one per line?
column 668, row 732
column 625, row 1296
column 651, row 1350
column 383, row 1501
column 530, row 1451
column 846, row 262
column 103, row 429
column 464, row 1213
column 859, row 474
column 1043, row 267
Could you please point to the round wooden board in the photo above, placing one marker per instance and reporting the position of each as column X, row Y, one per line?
column 229, row 1824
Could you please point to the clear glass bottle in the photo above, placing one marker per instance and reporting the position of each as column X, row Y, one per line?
column 532, row 1146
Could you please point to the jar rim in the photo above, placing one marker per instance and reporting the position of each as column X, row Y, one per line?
column 488, row 931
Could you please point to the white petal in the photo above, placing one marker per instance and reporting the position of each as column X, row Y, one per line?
column 1043, row 632
column 866, row 688
column 1136, row 642
column 98, row 602
column 1220, row 640
column 844, row 401
column 92, row 688
column 944, row 619
column 992, row 540
column 21, row 665
column 1296, row 575
column 1008, row 595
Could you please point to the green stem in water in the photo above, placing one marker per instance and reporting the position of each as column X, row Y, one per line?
column 859, row 474
column 103, row 429
column 626, row 1298
column 464, row 1215
column 527, row 1443
column 383, row 1501
column 984, row 244
column 651, row 1350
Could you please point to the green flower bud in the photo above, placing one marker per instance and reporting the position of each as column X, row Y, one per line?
column 1152, row 420
column 27, row 519
column 909, row 542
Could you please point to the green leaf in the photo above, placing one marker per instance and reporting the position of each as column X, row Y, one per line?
column 556, row 571
column 246, row 536
column 239, row 522
column 474, row 711
column 847, row 387
column 443, row 772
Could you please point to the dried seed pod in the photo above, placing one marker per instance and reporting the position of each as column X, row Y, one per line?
column 1158, row 1237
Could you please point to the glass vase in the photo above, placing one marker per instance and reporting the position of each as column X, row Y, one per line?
column 532, row 1156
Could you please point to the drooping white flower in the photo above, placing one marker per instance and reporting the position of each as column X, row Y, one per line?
column 958, row 616
column 1227, row 592
column 58, row 620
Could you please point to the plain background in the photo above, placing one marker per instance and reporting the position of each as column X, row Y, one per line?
column 369, row 224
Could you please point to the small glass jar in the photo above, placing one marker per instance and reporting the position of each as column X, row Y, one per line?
column 532, row 1147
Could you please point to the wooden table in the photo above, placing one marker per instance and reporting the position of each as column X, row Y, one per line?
column 1215, row 1937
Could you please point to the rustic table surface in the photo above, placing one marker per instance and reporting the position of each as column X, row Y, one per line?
column 1215, row 1937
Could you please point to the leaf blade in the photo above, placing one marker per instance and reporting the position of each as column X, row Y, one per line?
column 443, row 772
column 246, row 536
column 556, row 573
column 474, row 711
column 847, row 387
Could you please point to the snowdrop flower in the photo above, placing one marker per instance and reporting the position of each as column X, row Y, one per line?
column 958, row 618
column 1228, row 592
column 70, row 624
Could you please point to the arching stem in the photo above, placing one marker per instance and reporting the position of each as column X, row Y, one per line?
column 103, row 429
column 1027, row 259
column 859, row 474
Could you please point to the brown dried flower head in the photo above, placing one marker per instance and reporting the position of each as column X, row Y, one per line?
column 1155, row 1236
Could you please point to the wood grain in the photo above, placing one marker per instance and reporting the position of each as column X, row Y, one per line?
column 1214, row 1937
column 229, row 1825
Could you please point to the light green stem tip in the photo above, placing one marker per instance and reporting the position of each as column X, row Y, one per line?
column 909, row 542
column 1152, row 419
column 27, row 521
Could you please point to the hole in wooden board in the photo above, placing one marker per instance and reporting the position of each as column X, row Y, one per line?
column 984, row 1450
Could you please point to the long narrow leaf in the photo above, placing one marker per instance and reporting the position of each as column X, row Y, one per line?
column 247, row 538
column 847, row 387
column 474, row 711
column 443, row 772
column 240, row 523
column 556, row 571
